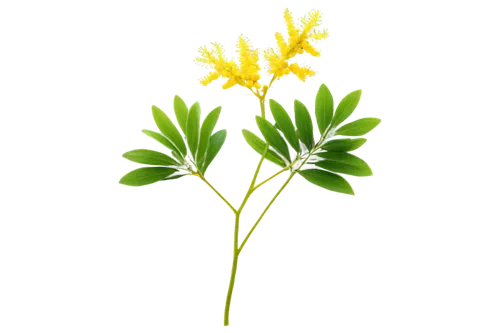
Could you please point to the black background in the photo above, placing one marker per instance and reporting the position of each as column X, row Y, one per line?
column 321, row 265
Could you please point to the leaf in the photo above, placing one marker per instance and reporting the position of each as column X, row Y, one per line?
column 344, row 163
column 259, row 146
column 181, row 112
column 150, row 157
column 214, row 146
column 173, row 178
column 343, row 145
column 168, row 129
column 328, row 180
column 304, row 125
column 166, row 142
column 206, row 131
column 284, row 124
column 273, row 137
column 193, row 128
column 145, row 176
column 358, row 127
column 324, row 108
column 346, row 107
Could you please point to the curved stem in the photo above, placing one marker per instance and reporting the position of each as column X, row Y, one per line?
column 217, row 192
column 273, row 176
column 236, row 252
column 264, row 211
column 251, row 187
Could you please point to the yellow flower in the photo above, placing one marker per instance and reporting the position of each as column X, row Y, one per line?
column 298, row 43
column 242, row 69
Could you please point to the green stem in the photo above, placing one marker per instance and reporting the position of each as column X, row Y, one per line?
column 264, row 211
column 233, row 270
column 263, row 108
column 273, row 176
column 236, row 252
column 217, row 192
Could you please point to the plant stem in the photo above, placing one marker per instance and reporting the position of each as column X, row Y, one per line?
column 263, row 100
column 235, row 258
column 273, row 176
column 217, row 192
column 233, row 269
column 264, row 211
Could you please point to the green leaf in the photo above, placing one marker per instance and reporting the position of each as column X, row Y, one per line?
column 166, row 142
column 215, row 144
column 343, row 145
column 358, row 127
column 259, row 146
column 145, row 176
column 168, row 129
column 346, row 107
column 284, row 124
column 206, row 131
column 173, row 178
column 273, row 137
column 181, row 112
column 344, row 163
column 304, row 125
column 328, row 180
column 324, row 108
column 150, row 157
column 193, row 128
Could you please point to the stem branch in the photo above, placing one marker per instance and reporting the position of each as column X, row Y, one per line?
column 217, row 192
column 264, row 211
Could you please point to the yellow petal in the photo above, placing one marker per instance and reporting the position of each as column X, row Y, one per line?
column 322, row 35
column 208, row 79
column 202, row 57
column 281, row 41
column 303, row 72
column 228, row 85
column 289, row 20
column 218, row 48
column 247, row 55
column 311, row 50
column 311, row 19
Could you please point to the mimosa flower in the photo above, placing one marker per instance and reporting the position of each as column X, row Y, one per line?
column 242, row 69
column 302, row 36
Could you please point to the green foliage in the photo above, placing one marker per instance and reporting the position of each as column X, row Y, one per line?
column 346, row 107
column 345, row 144
column 168, row 129
column 304, row 125
column 273, row 137
column 328, row 180
column 257, row 144
column 181, row 113
column 193, row 128
column 166, row 142
column 324, row 161
column 150, row 157
column 203, row 146
column 344, row 163
column 215, row 144
column 284, row 124
column 206, row 131
column 145, row 176
column 362, row 125
column 324, row 108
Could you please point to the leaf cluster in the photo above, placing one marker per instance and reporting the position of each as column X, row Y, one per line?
column 319, row 162
column 191, row 152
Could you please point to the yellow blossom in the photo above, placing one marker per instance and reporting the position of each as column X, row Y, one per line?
column 242, row 69
column 298, row 43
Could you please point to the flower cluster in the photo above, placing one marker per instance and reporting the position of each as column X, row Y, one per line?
column 247, row 74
